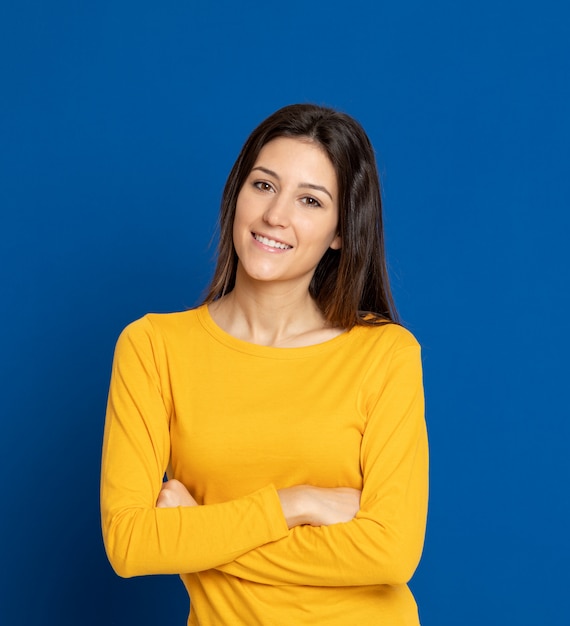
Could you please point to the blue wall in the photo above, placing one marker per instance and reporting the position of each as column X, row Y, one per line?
column 119, row 122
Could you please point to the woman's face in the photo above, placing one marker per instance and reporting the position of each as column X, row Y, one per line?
column 287, row 212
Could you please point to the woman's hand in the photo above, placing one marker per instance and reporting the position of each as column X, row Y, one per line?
column 318, row 506
column 173, row 493
column 303, row 504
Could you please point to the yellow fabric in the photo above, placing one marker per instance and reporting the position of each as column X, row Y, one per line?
column 234, row 422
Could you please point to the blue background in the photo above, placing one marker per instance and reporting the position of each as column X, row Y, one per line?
column 119, row 122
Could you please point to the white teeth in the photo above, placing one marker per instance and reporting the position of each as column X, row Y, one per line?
column 271, row 242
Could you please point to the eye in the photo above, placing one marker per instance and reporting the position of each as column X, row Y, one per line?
column 263, row 185
column 310, row 201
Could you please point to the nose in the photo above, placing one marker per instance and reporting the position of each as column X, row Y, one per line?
column 277, row 212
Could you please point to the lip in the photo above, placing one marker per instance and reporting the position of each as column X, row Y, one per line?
column 255, row 234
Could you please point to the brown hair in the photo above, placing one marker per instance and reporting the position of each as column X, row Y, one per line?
column 350, row 285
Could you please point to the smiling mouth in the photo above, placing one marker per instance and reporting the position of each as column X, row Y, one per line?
column 272, row 243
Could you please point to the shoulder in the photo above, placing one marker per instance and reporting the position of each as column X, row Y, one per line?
column 387, row 337
column 157, row 327
column 393, row 360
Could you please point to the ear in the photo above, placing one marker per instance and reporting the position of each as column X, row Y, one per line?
column 336, row 243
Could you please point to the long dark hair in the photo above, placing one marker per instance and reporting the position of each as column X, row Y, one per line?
column 350, row 285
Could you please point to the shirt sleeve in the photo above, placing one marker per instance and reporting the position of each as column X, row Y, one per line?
column 383, row 543
column 140, row 538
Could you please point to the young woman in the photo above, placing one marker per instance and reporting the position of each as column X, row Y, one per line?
column 286, row 411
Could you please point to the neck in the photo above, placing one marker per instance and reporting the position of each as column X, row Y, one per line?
column 271, row 314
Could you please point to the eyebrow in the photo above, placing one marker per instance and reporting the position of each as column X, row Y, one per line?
column 308, row 185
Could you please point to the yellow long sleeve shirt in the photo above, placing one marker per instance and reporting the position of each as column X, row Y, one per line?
column 236, row 421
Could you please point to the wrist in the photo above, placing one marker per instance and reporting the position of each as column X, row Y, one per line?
column 295, row 505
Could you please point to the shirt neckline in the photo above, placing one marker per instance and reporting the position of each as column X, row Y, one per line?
column 240, row 345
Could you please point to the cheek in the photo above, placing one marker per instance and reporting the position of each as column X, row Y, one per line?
column 238, row 216
column 336, row 243
column 244, row 209
column 242, row 223
column 237, row 232
column 332, row 234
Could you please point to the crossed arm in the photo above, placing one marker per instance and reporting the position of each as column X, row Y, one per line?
column 302, row 504
column 299, row 535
